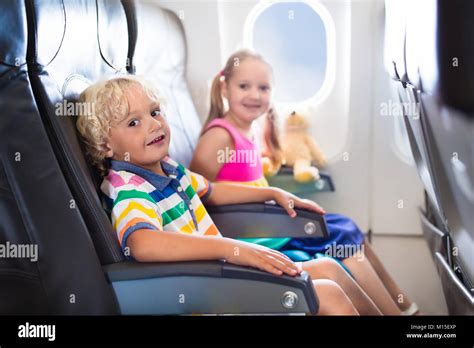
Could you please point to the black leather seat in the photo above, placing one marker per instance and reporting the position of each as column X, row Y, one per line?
column 430, row 47
column 37, row 205
column 68, row 45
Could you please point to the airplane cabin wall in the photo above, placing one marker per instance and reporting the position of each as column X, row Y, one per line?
column 397, row 191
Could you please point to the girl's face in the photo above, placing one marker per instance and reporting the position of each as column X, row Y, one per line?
column 142, row 137
column 248, row 90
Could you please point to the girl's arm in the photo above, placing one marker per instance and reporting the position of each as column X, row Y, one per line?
column 206, row 156
column 224, row 193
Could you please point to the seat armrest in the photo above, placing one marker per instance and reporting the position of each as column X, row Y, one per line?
column 265, row 220
column 285, row 180
column 208, row 287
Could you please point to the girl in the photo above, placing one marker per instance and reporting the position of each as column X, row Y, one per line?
column 246, row 84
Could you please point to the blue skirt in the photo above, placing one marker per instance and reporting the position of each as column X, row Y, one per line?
column 342, row 232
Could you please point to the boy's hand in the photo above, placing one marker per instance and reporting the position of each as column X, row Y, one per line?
column 290, row 201
column 257, row 256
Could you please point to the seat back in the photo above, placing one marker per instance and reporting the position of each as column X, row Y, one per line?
column 445, row 87
column 164, row 63
column 442, row 139
column 74, row 44
column 37, row 206
column 398, row 49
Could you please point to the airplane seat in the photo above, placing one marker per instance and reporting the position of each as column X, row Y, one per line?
column 70, row 45
column 441, row 83
column 38, row 212
column 396, row 42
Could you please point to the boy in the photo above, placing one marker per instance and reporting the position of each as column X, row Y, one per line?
column 156, row 204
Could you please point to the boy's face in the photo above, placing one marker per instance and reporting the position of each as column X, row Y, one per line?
column 143, row 137
column 248, row 91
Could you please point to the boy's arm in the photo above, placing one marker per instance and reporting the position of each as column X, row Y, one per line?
column 154, row 246
column 224, row 193
column 151, row 245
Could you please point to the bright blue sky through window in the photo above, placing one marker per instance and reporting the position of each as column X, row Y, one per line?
column 296, row 48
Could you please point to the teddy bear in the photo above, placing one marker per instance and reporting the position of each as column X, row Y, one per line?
column 300, row 150
column 271, row 166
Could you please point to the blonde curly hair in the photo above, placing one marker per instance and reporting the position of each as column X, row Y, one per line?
column 105, row 106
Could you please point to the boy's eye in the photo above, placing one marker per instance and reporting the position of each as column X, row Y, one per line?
column 243, row 86
column 155, row 113
column 264, row 88
column 133, row 123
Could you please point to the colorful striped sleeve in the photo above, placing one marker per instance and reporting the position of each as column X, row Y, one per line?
column 200, row 184
column 134, row 210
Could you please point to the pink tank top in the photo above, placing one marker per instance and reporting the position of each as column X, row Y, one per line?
column 243, row 162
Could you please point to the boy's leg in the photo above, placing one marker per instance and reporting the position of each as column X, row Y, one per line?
column 326, row 268
column 368, row 279
column 402, row 301
column 332, row 299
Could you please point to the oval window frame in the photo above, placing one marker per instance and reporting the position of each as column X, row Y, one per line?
column 330, row 76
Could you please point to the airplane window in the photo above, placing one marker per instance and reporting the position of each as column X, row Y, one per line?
column 293, row 37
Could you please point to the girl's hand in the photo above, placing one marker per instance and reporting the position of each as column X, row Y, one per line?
column 290, row 201
column 260, row 257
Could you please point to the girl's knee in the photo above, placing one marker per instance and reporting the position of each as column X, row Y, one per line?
column 332, row 299
column 324, row 268
column 328, row 286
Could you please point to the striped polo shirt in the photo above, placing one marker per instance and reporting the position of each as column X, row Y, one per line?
column 137, row 198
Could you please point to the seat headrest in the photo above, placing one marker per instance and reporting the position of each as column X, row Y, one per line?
column 79, row 42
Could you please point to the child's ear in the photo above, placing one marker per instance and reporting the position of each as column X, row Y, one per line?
column 109, row 153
